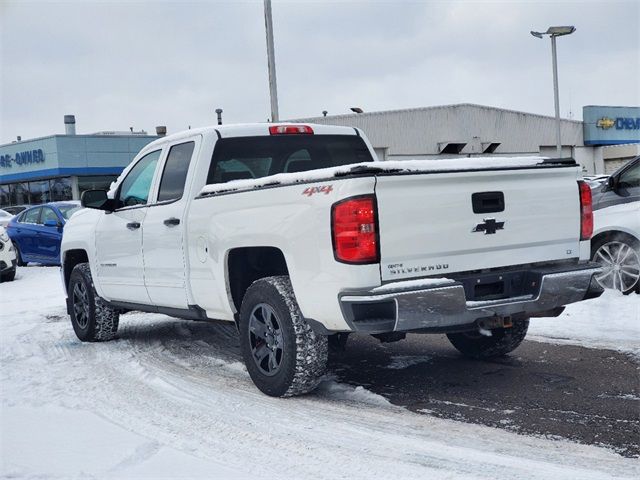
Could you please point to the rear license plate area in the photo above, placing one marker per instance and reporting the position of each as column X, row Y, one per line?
column 498, row 285
column 488, row 291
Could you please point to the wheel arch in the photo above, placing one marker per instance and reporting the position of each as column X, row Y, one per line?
column 605, row 235
column 245, row 265
column 71, row 259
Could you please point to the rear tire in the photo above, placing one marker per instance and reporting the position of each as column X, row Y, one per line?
column 283, row 355
column 502, row 341
column 92, row 318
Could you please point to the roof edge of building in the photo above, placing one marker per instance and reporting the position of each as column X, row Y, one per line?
column 83, row 135
column 434, row 107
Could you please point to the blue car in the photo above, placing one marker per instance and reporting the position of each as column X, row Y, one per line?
column 36, row 233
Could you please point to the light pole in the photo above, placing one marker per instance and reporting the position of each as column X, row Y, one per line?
column 554, row 32
column 271, row 59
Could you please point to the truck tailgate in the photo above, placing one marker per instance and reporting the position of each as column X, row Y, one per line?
column 428, row 226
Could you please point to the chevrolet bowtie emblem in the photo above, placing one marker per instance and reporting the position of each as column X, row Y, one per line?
column 605, row 123
column 489, row 226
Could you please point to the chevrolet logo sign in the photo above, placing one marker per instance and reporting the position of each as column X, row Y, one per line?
column 605, row 123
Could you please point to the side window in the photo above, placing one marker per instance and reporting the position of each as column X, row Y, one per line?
column 48, row 214
column 175, row 172
column 631, row 177
column 134, row 189
column 31, row 216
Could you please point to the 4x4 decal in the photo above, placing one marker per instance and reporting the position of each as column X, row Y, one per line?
column 326, row 189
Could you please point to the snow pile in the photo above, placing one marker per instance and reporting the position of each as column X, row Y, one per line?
column 610, row 321
column 342, row 392
column 404, row 166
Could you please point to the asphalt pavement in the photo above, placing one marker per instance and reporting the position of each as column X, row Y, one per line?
column 585, row 395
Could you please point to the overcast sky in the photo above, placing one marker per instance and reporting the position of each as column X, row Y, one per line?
column 117, row 65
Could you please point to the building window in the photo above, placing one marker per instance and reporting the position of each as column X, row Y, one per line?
column 40, row 192
column 61, row 189
column 19, row 193
column 33, row 193
column 5, row 196
column 102, row 182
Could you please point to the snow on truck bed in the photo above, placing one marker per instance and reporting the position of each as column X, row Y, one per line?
column 405, row 166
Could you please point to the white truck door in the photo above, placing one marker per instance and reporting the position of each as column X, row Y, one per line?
column 120, row 267
column 164, row 227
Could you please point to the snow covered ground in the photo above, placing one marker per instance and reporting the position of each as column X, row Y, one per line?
column 169, row 399
column 611, row 321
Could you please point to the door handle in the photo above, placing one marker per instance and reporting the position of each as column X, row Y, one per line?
column 172, row 222
column 133, row 225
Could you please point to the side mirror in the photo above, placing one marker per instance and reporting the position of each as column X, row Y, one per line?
column 96, row 199
column 612, row 183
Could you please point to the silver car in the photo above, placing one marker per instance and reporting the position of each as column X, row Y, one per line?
column 616, row 238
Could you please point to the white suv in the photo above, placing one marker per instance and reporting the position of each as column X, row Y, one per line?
column 616, row 237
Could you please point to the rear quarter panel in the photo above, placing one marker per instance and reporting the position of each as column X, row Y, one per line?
column 282, row 217
column 624, row 217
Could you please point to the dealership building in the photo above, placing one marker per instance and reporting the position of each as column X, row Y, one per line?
column 605, row 139
column 61, row 167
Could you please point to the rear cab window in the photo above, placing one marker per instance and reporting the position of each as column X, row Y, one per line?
column 255, row 157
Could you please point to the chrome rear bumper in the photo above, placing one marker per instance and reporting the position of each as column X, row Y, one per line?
column 442, row 307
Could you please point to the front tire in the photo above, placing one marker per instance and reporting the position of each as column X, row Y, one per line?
column 502, row 341
column 8, row 276
column 283, row 355
column 92, row 318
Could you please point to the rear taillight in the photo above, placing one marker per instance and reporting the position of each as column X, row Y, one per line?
column 586, row 211
column 290, row 130
column 354, row 227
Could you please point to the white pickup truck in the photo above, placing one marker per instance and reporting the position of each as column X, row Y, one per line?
column 296, row 234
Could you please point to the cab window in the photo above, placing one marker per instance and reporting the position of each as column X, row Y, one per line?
column 134, row 189
column 255, row 157
column 175, row 171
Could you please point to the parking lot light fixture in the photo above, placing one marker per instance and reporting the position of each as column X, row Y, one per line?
column 554, row 32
